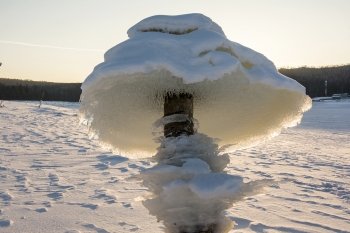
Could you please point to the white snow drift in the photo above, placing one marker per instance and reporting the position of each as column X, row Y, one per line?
column 239, row 96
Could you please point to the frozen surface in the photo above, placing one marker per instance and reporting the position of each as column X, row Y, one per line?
column 53, row 178
column 239, row 96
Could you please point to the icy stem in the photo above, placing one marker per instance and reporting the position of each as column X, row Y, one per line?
column 190, row 188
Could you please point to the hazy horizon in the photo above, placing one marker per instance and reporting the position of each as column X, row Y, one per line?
column 63, row 41
column 63, row 81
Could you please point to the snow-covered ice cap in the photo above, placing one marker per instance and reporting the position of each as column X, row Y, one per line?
column 239, row 96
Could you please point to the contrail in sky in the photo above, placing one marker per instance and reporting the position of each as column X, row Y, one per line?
column 48, row 46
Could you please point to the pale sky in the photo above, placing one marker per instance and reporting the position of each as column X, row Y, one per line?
column 62, row 40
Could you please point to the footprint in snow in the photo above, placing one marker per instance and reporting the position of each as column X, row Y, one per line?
column 57, row 188
column 41, row 210
column 56, row 195
column 106, row 195
column 5, row 223
column 6, row 197
column 72, row 231
column 86, row 205
column 129, row 227
column 113, row 180
column 123, row 169
column 89, row 206
column 108, row 160
column 23, row 183
column 127, row 205
column 94, row 227
column 240, row 223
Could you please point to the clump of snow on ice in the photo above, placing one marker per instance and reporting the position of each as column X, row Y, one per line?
column 239, row 96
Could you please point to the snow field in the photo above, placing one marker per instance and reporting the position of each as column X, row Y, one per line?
column 53, row 178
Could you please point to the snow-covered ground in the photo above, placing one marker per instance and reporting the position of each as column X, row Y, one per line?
column 53, row 178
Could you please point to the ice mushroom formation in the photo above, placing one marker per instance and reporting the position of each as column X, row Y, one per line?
column 239, row 96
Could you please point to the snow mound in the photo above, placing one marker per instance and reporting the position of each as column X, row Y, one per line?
column 239, row 96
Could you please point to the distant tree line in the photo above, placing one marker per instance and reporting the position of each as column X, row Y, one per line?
column 313, row 79
column 337, row 77
column 15, row 89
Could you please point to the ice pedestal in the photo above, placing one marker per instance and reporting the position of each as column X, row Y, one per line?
column 190, row 189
